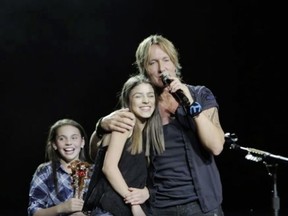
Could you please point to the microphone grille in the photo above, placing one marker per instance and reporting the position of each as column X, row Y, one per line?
column 165, row 78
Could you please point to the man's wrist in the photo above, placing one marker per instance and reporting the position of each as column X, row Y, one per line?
column 194, row 109
column 99, row 130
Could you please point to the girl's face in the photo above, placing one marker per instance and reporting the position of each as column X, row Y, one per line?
column 142, row 101
column 68, row 143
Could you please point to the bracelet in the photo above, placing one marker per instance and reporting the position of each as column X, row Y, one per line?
column 99, row 130
column 194, row 109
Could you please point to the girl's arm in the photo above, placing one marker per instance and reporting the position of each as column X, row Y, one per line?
column 73, row 205
column 111, row 160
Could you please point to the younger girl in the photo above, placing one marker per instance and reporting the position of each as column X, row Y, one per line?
column 51, row 189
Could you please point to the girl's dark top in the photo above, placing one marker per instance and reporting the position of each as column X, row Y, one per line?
column 134, row 171
column 185, row 172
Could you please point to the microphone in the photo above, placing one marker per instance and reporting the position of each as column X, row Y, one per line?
column 231, row 139
column 253, row 154
column 179, row 94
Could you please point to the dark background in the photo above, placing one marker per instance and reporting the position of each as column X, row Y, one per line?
column 70, row 58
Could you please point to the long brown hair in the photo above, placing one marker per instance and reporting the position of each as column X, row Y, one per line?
column 53, row 155
column 153, row 132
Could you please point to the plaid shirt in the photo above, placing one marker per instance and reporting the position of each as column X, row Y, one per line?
column 42, row 192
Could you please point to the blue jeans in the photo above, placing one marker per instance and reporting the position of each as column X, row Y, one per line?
column 189, row 209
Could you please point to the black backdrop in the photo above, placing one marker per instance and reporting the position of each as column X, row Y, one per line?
column 70, row 58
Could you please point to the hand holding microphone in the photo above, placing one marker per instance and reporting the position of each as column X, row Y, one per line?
column 179, row 95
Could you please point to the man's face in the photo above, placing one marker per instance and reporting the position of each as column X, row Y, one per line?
column 159, row 62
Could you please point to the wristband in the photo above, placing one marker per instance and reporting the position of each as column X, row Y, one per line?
column 99, row 130
column 194, row 109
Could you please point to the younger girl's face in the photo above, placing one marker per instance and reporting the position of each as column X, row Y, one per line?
column 68, row 143
column 142, row 100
